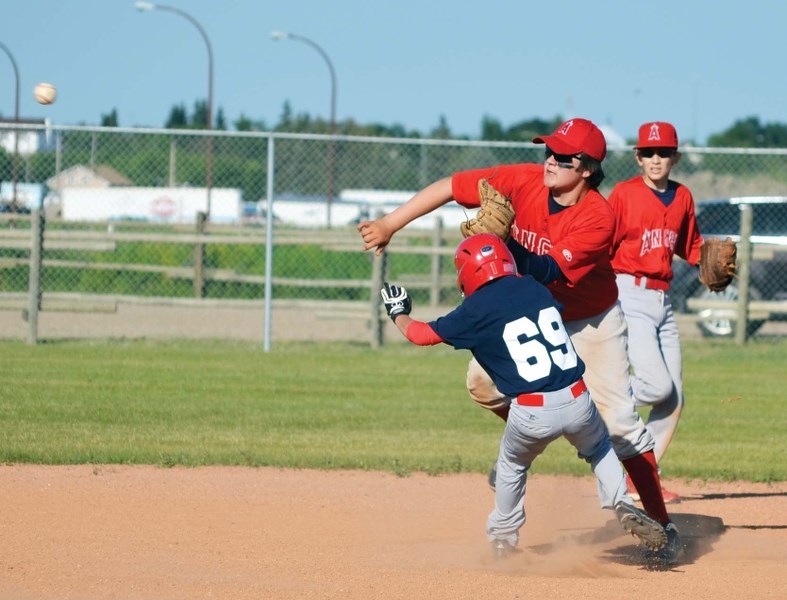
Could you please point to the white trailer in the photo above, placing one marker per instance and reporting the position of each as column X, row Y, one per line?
column 155, row 204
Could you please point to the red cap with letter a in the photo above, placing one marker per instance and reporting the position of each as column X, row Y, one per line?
column 576, row 136
column 657, row 134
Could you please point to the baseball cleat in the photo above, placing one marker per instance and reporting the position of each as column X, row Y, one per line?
column 649, row 532
column 671, row 552
column 502, row 549
column 670, row 497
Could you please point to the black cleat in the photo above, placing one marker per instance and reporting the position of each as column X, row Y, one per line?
column 670, row 553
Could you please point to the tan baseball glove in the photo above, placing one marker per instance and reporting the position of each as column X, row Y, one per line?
column 718, row 263
column 495, row 215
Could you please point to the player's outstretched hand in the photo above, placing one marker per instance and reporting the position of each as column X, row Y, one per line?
column 396, row 300
column 375, row 234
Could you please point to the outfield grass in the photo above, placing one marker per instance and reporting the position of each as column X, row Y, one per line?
column 343, row 405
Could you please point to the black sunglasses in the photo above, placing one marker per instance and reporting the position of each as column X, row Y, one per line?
column 662, row 152
column 564, row 161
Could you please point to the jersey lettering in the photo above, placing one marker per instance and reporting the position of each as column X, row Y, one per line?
column 528, row 240
column 657, row 238
column 532, row 357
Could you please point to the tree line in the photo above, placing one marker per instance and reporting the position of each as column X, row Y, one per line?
column 748, row 132
column 161, row 159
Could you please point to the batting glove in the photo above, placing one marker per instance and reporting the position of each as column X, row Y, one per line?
column 396, row 300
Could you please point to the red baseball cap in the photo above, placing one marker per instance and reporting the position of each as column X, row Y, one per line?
column 657, row 134
column 576, row 136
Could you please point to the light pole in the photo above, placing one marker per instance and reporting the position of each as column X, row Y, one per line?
column 281, row 35
column 147, row 6
column 16, row 131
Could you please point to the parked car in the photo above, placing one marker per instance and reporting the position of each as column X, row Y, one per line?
column 722, row 218
column 8, row 207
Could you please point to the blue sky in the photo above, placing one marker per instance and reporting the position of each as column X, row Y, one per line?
column 699, row 65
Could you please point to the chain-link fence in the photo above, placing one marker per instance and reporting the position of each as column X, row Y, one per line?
column 180, row 218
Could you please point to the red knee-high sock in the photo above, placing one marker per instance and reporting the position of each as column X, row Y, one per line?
column 645, row 475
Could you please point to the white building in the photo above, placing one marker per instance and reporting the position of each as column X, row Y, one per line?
column 354, row 205
column 30, row 140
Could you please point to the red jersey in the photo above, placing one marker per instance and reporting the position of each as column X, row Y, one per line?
column 578, row 237
column 648, row 234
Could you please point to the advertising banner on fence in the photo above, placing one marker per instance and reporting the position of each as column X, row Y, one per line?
column 155, row 204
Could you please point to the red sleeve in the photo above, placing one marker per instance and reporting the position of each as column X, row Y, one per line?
column 422, row 334
column 690, row 240
column 509, row 180
column 618, row 209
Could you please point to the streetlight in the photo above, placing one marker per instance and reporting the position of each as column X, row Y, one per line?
column 16, row 131
column 281, row 35
column 148, row 6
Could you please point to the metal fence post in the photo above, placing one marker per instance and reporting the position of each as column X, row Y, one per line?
column 379, row 267
column 744, row 275
column 268, row 311
column 437, row 242
column 34, row 283
column 199, row 257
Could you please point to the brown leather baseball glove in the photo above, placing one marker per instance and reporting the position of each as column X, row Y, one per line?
column 718, row 263
column 495, row 215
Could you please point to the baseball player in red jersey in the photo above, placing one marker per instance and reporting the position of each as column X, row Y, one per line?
column 512, row 326
column 562, row 235
column 654, row 220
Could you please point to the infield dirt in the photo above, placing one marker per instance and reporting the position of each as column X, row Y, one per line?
column 142, row 532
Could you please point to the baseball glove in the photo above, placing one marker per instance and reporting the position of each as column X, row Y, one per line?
column 495, row 215
column 718, row 263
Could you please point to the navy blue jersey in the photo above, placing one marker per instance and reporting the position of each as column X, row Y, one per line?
column 513, row 327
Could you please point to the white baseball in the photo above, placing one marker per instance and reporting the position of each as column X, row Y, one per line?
column 45, row 93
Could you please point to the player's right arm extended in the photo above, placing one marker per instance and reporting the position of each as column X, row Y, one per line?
column 376, row 234
column 417, row 332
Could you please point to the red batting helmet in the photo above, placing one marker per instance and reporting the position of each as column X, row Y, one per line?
column 480, row 259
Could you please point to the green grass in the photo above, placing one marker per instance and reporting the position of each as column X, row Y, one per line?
column 342, row 405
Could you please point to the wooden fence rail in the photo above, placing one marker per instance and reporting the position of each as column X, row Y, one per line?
column 436, row 243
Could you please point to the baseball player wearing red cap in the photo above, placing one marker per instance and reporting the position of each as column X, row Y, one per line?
column 654, row 220
column 561, row 235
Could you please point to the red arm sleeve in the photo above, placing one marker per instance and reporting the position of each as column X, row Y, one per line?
column 690, row 240
column 422, row 334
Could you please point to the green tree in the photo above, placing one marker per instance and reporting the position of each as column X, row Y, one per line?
column 491, row 129
column 750, row 133
column 285, row 120
column 111, row 119
column 199, row 118
column 221, row 120
column 178, row 118
column 442, row 131
column 244, row 123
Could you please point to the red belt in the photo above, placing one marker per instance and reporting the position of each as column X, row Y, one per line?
column 577, row 390
column 651, row 284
